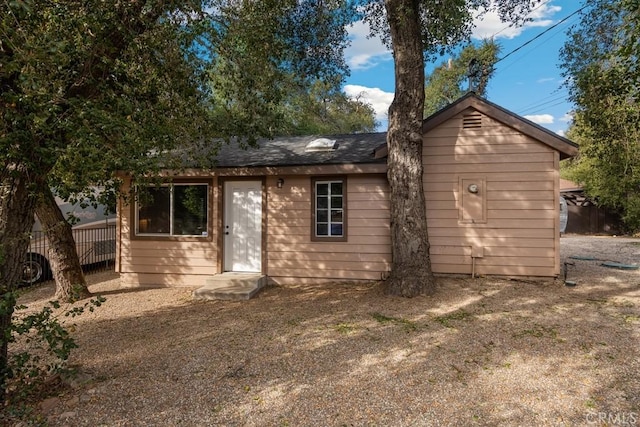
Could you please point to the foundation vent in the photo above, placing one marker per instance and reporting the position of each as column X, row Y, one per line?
column 472, row 121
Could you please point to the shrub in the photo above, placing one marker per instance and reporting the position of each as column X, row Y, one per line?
column 44, row 345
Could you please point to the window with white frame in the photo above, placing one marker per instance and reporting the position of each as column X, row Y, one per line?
column 179, row 209
column 329, row 209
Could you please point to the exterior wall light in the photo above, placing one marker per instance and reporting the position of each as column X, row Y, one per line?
column 473, row 188
column 280, row 182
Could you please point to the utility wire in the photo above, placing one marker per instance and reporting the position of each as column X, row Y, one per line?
column 552, row 95
column 558, row 102
column 543, row 102
column 504, row 66
column 541, row 34
column 532, row 108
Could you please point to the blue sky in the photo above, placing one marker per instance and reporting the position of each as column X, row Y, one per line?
column 527, row 82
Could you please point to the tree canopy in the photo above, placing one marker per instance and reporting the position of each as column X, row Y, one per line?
column 214, row 69
column 600, row 59
column 452, row 79
column 324, row 109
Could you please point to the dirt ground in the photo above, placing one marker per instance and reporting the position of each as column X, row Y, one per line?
column 485, row 351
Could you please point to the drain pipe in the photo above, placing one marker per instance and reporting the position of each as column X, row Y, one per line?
column 476, row 252
column 473, row 267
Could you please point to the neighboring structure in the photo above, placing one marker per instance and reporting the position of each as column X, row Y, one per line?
column 585, row 217
column 308, row 209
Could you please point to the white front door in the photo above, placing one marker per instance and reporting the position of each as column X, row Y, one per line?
column 242, row 226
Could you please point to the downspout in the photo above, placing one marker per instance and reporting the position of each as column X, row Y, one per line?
column 476, row 252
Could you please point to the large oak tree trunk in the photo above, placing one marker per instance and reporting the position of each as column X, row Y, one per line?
column 63, row 257
column 17, row 208
column 411, row 273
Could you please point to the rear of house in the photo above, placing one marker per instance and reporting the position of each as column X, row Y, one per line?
column 311, row 209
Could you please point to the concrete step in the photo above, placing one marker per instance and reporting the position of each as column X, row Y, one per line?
column 231, row 286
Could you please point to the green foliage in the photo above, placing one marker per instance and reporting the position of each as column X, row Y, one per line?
column 93, row 87
column 408, row 325
column 345, row 328
column 449, row 81
column 445, row 320
column 600, row 62
column 44, row 345
column 267, row 56
column 325, row 109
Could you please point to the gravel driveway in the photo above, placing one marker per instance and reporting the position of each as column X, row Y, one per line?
column 484, row 351
column 586, row 254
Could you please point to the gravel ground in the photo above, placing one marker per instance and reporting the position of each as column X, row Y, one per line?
column 482, row 351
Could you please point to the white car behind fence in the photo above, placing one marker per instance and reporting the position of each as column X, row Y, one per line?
column 94, row 233
column 95, row 243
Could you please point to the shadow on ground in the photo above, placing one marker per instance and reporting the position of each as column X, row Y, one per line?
column 480, row 352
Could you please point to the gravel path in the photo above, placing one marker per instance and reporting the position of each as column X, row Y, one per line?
column 485, row 351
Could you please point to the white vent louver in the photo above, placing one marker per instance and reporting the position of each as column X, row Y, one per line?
column 321, row 144
column 472, row 121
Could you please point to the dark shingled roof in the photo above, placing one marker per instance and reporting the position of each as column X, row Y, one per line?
column 290, row 151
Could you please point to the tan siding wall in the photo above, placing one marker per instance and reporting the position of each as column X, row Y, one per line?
column 165, row 262
column 516, row 229
column 293, row 258
column 290, row 255
column 519, row 235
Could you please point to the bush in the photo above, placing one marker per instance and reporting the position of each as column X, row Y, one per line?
column 44, row 345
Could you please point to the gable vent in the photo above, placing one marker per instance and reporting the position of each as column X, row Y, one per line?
column 321, row 144
column 472, row 121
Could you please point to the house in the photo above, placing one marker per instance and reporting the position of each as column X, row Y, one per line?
column 309, row 209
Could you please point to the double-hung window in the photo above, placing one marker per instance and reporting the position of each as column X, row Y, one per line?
column 329, row 215
column 179, row 209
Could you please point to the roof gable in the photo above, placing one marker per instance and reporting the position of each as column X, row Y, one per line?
column 565, row 147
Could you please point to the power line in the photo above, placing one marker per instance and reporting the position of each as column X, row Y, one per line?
column 541, row 34
column 556, row 96
column 555, row 102
column 549, row 35
column 553, row 99
column 533, row 104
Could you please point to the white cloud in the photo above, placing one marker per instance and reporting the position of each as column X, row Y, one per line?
column 546, row 80
column 567, row 117
column 541, row 119
column 365, row 52
column 562, row 133
column 489, row 24
column 377, row 98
